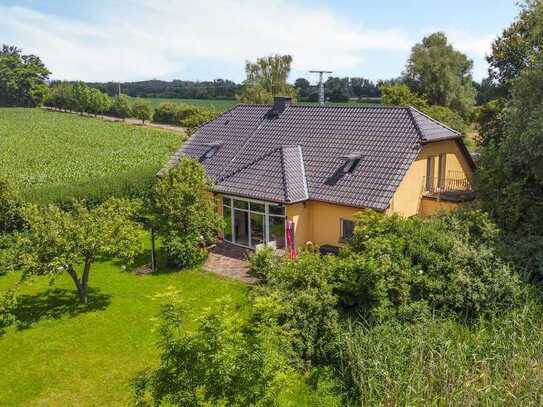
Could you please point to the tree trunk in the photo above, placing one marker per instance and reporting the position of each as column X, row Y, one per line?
column 82, row 284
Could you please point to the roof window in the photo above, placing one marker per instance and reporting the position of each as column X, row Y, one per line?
column 351, row 161
column 211, row 151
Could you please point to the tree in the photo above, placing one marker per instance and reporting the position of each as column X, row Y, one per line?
column 510, row 177
column 303, row 87
column 57, row 241
column 141, row 110
column 441, row 74
column 121, row 106
column 362, row 87
column 519, row 45
column 98, row 102
column 82, row 97
column 401, row 95
column 22, row 78
column 61, row 96
column 337, row 89
column 183, row 212
column 266, row 78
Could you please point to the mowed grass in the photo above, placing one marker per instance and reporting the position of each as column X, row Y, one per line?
column 53, row 156
column 62, row 354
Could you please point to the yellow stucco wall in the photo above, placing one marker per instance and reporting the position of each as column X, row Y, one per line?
column 407, row 199
column 432, row 206
column 319, row 222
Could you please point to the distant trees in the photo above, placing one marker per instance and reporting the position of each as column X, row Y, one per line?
column 266, row 78
column 441, row 74
column 78, row 97
column 216, row 89
column 337, row 89
column 22, row 78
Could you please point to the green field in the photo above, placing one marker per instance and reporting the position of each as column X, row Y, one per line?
column 224, row 104
column 51, row 156
column 62, row 354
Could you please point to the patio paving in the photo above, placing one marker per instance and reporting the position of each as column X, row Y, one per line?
column 229, row 260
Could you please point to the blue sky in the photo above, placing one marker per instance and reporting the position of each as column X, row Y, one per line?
column 140, row 39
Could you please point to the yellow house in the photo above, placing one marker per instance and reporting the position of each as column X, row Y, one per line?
column 296, row 174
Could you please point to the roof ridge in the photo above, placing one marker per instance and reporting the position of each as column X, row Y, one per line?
column 434, row 120
column 417, row 127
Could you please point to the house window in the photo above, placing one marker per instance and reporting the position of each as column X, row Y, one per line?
column 441, row 170
column 346, row 229
column 250, row 223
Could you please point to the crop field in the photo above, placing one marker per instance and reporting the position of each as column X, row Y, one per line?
column 56, row 157
column 218, row 104
column 221, row 105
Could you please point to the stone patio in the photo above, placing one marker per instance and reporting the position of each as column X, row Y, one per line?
column 229, row 260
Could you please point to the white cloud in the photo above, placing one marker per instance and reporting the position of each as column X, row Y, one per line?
column 144, row 39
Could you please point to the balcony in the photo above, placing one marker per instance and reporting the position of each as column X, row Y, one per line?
column 456, row 187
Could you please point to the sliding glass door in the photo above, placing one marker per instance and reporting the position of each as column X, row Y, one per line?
column 251, row 223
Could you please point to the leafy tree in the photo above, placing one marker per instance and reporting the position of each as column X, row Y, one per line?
column 401, row 95
column 82, row 97
column 266, row 78
column 22, row 78
column 487, row 91
column 337, row 89
column 490, row 123
column 510, row 177
column 303, row 87
column 519, row 45
column 98, row 102
column 61, row 96
column 121, row 106
column 441, row 74
column 58, row 241
column 142, row 111
column 183, row 212
column 362, row 87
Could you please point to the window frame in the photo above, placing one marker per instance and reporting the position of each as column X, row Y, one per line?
column 342, row 237
column 266, row 213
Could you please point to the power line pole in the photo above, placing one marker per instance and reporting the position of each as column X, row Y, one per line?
column 321, row 85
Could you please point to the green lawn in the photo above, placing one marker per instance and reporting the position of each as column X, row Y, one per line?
column 54, row 156
column 65, row 355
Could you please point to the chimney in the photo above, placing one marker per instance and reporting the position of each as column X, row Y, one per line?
column 280, row 103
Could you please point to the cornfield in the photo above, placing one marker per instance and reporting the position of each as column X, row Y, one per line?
column 56, row 157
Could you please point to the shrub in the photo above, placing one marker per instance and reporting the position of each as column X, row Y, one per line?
column 8, row 301
column 263, row 262
column 300, row 296
column 10, row 209
column 183, row 251
column 198, row 118
column 450, row 263
column 225, row 360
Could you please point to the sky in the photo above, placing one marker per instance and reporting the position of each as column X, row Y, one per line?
column 107, row 40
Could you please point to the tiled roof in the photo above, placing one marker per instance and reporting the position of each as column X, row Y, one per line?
column 301, row 153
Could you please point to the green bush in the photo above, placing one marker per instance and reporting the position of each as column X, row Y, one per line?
column 181, row 114
column 262, row 263
column 223, row 359
column 300, row 296
column 448, row 264
column 8, row 301
column 183, row 251
column 10, row 209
